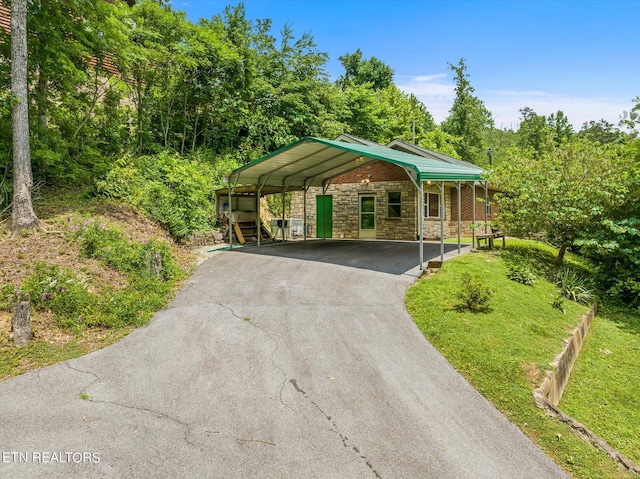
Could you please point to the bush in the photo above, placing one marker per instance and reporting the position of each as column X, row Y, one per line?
column 176, row 192
column 57, row 289
column 475, row 295
column 110, row 245
column 574, row 287
column 522, row 274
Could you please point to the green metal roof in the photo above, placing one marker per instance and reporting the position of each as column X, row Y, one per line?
column 313, row 161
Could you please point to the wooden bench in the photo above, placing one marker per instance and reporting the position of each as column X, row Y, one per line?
column 488, row 239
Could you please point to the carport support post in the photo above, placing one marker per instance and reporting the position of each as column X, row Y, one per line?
column 259, row 215
column 486, row 206
column 304, row 214
column 283, row 213
column 473, row 215
column 421, row 221
column 459, row 212
column 442, row 221
column 230, row 218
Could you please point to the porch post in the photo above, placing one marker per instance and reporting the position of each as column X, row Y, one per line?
column 459, row 212
column 442, row 221
column 473, row 214
column 486, row 206
column 421, row 221
column 283, row 213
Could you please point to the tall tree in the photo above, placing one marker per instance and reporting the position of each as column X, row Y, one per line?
column 560, row 126
column 359, row 72
column 564, row 193
column 468, row 118
column 601, row 131
column 22, row 214
column 534, row 132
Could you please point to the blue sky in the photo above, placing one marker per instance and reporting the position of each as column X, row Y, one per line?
column 578, row 56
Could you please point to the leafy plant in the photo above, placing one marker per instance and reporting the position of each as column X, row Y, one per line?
column 521, row 273
column 176, row 192
column 475, row 294
column 50, row 287
column 575, row 287
column 109, row 244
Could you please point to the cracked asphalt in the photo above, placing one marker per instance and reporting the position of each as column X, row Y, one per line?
column 295, row 360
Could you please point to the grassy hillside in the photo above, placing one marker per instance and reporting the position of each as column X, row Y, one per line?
column 504, row 348
column 88, row 278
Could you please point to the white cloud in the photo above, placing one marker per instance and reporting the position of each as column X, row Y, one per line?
column 438, row 94
column 433, row 90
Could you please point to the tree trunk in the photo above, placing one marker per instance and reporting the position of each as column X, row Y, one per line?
column 21, row 323
column 561, row 252
column 22, row 215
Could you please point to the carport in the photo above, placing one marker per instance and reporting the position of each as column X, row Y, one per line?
column 315, row 162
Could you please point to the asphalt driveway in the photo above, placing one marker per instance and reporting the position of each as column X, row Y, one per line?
column 285, row 361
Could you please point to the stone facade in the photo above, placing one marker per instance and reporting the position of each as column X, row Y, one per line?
column 378, row 179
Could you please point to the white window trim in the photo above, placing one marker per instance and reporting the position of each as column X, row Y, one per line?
column 426, row 205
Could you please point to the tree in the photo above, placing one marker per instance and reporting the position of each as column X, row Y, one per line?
column 22, row 214
column 359, row 72
column 560, row 126
column 534, row 132
column 601, row 131
column 630, row 119
column 613, row 244
column 468, row 118
column 563, row 193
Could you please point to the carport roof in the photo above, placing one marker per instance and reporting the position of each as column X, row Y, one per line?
column 313, row 161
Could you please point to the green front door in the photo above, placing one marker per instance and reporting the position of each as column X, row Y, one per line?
column 324, row 216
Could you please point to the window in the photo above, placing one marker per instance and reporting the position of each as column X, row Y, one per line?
column 432, row 205
column 394, row 205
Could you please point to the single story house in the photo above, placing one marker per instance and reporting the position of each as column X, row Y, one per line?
column 354, row 188
column 379, row 201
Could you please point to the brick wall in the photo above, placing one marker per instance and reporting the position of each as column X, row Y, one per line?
column 373, row 172
column 466, row 203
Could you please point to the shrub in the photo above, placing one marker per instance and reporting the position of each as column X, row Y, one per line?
column 110, row 245
column 58, row 289
column 575, row 287
column 176, row 192
column 521, row 273
column 475, row 295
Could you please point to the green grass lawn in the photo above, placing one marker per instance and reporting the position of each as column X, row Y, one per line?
column 603, row 392
column 504, row 352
